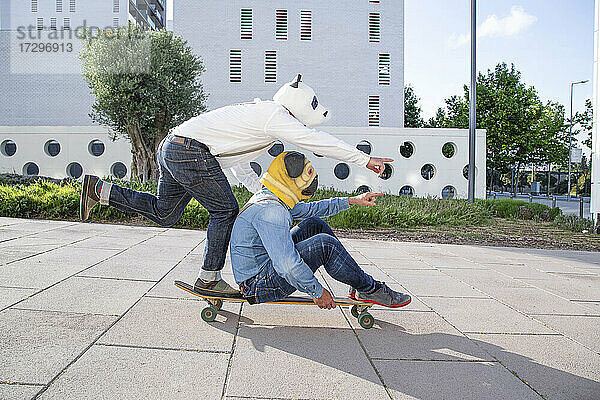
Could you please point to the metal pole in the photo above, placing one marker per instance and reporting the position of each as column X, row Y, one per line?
column 472, row 102
column 570, row 144
column 571, row 140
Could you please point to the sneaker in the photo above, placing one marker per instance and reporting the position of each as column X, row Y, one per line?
column 384, row 296
column 217, row 286
column 352, row 293
column 90, row 195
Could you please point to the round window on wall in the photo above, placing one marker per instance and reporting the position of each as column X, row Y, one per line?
column 427, row 171
column 387, row 172
column 52, row 148
column 341, row 171
column 449, row 149
column 363, row 189
column 96, row 148
column 276, row 149
column 407, row 149
column 448, row 192
column 364, row 146
column 31, row 169
column 8, row 148
column 74, row 170
column 118, row 170
column 256, row 168
column 407, row 191
column 465, row 171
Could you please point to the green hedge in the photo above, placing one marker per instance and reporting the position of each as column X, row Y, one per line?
column 39, row 198
column 516, row 209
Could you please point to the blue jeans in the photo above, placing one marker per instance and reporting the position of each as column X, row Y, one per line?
column 317, row 245
column 187, row 170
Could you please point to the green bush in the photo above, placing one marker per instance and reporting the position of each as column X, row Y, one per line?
column 574, row 223
column 511, row 209
column 39, row 198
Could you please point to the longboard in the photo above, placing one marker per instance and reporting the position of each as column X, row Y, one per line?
column 215, row 300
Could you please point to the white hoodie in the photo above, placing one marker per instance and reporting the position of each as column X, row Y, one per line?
column 240, row 133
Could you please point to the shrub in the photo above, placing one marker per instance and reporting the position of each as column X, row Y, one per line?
column 518, row 209
column 574, row 223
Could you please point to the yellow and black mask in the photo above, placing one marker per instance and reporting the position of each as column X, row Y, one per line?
column 291, row 177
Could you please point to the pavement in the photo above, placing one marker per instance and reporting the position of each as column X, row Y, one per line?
column 89, row 311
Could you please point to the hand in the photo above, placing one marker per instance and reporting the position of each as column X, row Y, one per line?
column 365, row 199
column 376, row 164
column 325, row 301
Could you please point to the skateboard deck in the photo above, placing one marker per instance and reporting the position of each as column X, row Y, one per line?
column 215, row 300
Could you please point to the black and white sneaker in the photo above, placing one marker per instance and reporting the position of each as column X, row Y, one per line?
column 384, row 296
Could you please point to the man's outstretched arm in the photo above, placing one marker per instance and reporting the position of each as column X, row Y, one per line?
column 327, row 207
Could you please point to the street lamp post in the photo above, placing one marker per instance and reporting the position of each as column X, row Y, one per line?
column 571, row 140
column 473, row 104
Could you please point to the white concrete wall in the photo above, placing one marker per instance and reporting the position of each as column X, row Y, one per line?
column 74, row 142
column 339, row 62
column 385, row 142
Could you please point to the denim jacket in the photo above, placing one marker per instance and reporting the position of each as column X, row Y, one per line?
column 261, row 235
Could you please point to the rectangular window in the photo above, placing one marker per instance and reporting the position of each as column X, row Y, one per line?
column 270, row 66
column 374, row 27
column 384, row 68
column 116, row 22
column 53, row 24
column 235, row 65
column 72, row 6
column 34, row 5
column 373, row 110
column 281, row 24
column 58, row 6
column 305, row 25
column 246, row 23
column 67, row 23
column 40, row 24
column 116, row 6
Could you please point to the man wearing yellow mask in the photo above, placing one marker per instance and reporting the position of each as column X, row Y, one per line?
column 271, row 261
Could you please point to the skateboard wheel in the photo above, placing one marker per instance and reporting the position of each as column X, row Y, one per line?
column 209, row 314
column 366, row 320
column 217, row 304
column 354, row 311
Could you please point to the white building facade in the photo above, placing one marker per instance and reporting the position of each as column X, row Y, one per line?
column 350, row 51
column 595, row 156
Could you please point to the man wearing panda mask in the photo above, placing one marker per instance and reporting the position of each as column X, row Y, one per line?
column 271, row 260
column 192, row 158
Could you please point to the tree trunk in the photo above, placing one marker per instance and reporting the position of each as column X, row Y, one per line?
column 143, row 165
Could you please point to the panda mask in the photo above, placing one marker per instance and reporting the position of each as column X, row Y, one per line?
column 301, row 101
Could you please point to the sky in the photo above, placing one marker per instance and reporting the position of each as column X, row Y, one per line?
column 549, row 41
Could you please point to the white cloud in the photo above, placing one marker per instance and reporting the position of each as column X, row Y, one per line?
column 516, row 22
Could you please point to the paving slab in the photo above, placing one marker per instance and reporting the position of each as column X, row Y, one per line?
column 583, row 329
column 18, row 392
column 452, row 380
column 293, row 315
column 128, row 265
column 89, row 295
column 554, row 366
column 532, row 300
column 584, row 287
column 48, row 268
column 484, row 315
column 11, row 295
column 416, row 336
column 37, row 345
column 434, row 283
column 106, row 372
column 181, row 326
column 302, row 363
